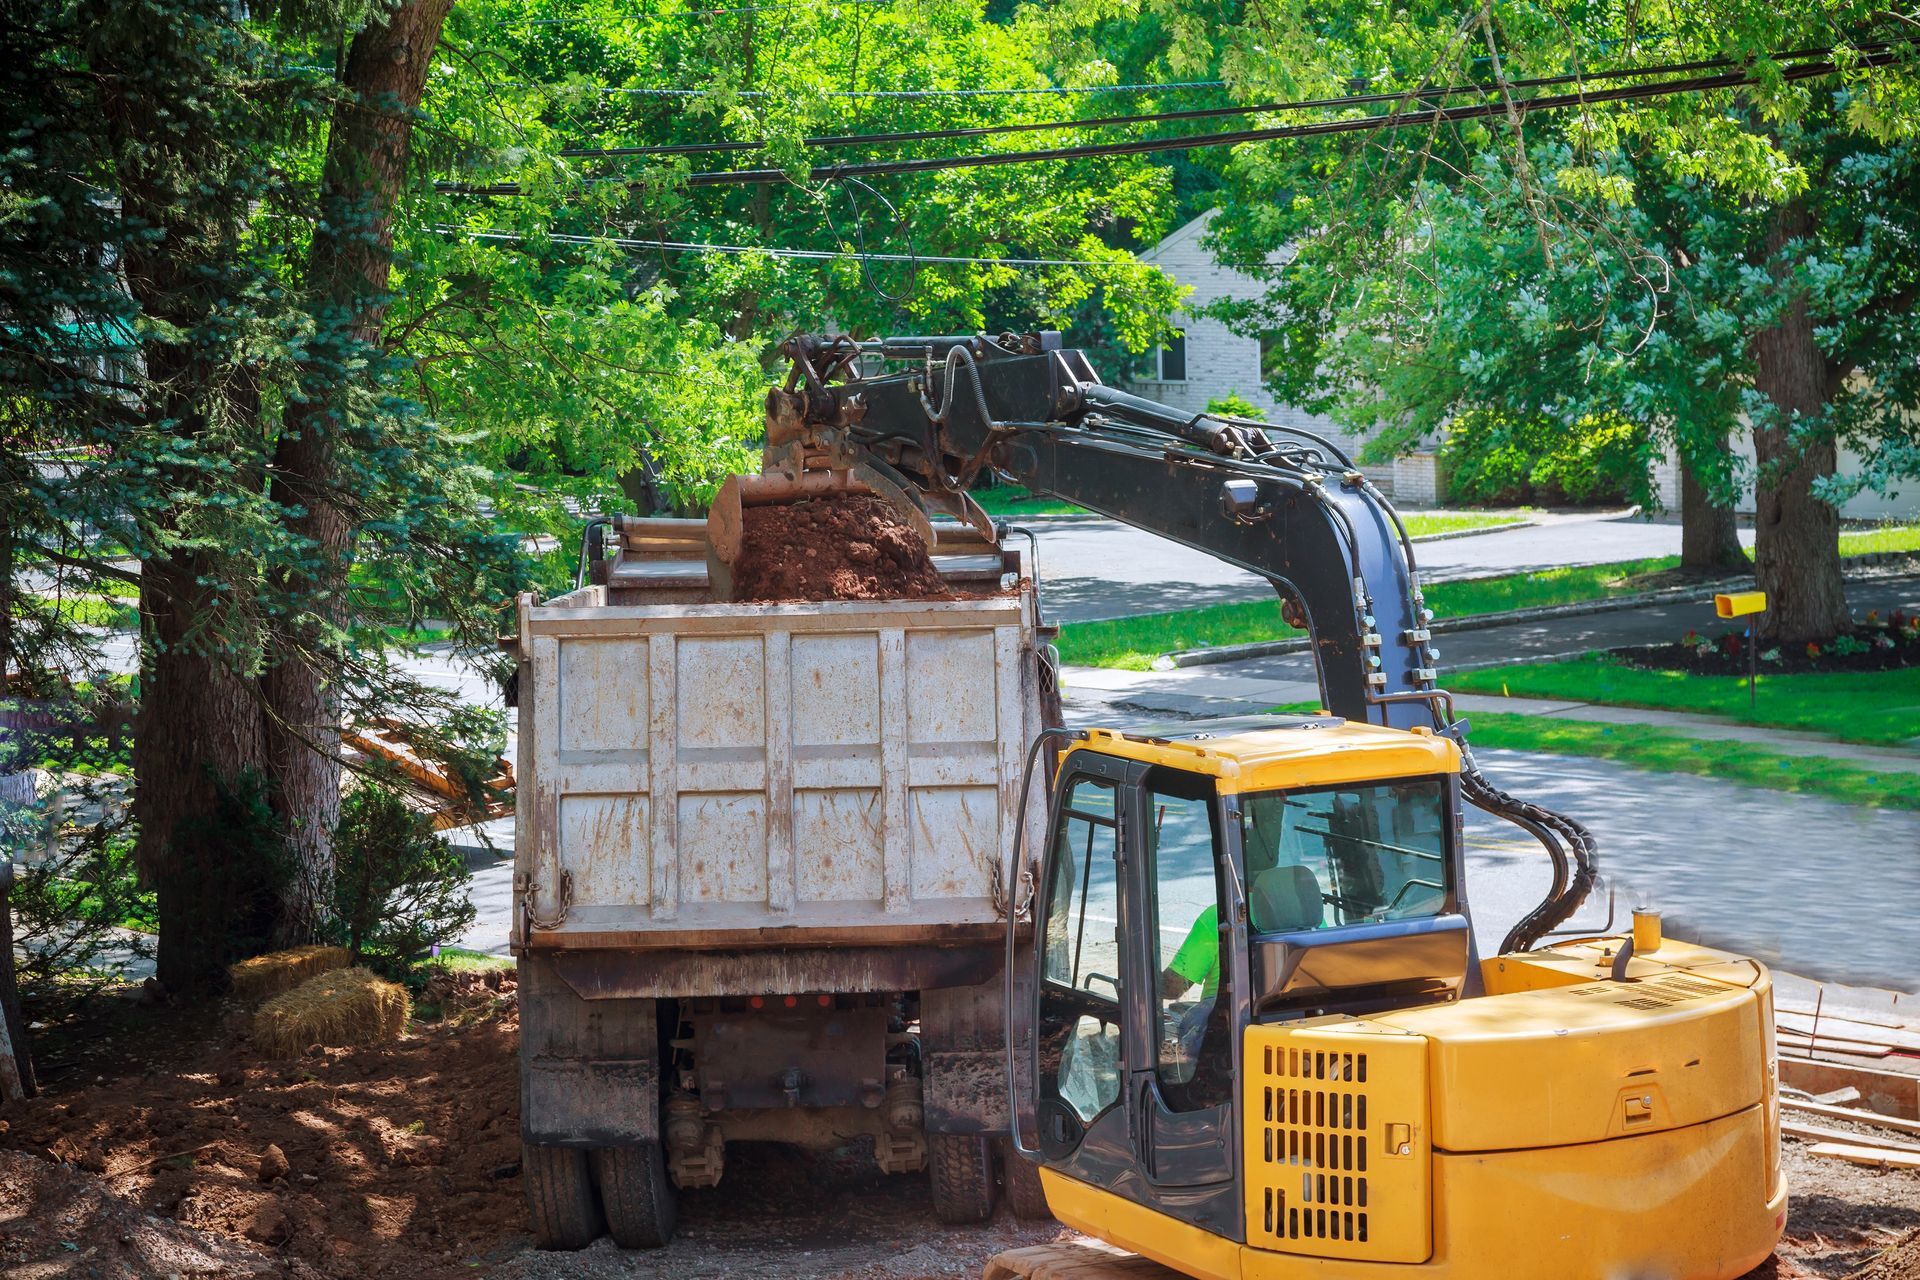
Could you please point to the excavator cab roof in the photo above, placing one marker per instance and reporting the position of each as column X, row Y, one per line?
column 1281, row 752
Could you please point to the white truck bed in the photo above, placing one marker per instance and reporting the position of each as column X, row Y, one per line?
column 727, row 775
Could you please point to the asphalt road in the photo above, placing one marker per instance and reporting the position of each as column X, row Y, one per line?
column 1105, row 569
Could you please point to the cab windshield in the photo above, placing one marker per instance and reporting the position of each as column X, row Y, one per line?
column 1345, row 855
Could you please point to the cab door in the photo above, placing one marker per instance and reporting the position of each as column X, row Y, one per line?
column 1187, row 965
column 1079, row 1046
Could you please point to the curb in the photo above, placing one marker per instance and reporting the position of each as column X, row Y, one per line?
column 1690, row 594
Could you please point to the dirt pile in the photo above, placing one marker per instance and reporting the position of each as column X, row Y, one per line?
column 389, row 1160
column 856, row 547
column 59, row 1221
column 1900, row 1261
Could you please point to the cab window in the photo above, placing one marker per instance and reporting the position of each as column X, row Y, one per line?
column 1319, row 859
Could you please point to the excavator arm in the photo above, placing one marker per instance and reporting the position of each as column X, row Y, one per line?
column 1279, row 502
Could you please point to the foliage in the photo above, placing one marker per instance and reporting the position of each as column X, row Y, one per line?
column 1235, row 405
column 398, row 888
column 79, row 911
column 1491, row 458
column 630, row 378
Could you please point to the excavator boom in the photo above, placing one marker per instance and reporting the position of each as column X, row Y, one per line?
column 1280, row 502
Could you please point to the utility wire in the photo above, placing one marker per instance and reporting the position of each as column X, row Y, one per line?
column 1162, row 117
column 1150, row 146
column 587, row 20
column 816, row 255
column 615, row 91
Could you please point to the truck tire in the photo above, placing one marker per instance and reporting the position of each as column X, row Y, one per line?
column 636, row 1194
column 560, row 1196
column 960, row 1167
column 1020, row 1178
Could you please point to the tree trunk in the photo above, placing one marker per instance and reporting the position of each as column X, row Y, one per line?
column 197, row 733
column 1797, row 546
column 347, row 275
column 1709, row 537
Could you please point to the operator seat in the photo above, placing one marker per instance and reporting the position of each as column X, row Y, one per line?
column 1286, row 900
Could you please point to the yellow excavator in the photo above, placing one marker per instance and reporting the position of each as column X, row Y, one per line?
column 1249, row 1033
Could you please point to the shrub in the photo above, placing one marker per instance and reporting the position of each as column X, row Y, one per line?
column 79, row 912
column 1489, row 458
column 1234, row 405
column 398, row 888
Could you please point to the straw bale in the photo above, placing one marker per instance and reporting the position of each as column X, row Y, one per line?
column 344, row 1007
column 258, row 978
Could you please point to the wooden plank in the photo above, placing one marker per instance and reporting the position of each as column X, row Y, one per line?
column 1887, row 1022
column 1821, row 1133
column 1855, row 1154
column 1848, row 1029
column 1890, row 1093
column 1805, row 1044
column 1855, row 1114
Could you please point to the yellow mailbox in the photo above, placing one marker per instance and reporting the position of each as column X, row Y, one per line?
column 1740, row 603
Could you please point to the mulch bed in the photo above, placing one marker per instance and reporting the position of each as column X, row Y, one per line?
column 1879, row 645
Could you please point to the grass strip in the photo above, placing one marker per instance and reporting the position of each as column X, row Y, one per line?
column 1878, row 707
column 1131, row 644
column 1886, row 538
column 1664, row 751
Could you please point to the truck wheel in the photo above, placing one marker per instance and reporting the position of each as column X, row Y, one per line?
column 961, row 1169
column 560, row 1196
column 1020, row 1177
column 636, row 1195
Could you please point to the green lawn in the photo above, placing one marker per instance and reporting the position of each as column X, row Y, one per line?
column 1421, row 523
column 1133, row 643
column 1012, row 501
column 1671, row 752
column 113, row 611
column 1890, row 537
column 1859, row 706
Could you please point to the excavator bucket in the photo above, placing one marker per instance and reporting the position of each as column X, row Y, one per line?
column 691, row 561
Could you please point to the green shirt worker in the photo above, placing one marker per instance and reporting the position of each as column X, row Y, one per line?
column 1197, row 960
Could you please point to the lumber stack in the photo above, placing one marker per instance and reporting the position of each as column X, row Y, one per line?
column 1876, row 1139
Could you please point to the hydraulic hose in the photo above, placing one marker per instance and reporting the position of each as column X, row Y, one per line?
column 1568, row 843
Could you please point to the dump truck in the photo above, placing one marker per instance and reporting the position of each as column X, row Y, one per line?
column 760, row 880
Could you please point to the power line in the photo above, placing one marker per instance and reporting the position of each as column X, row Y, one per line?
column 615, row 90
column 1167, row 117
column 1148, row 146
column 590, row 20
column 774, row 251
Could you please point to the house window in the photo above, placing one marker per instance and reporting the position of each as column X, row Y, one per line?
column 1173, row 360
column 1273, row 355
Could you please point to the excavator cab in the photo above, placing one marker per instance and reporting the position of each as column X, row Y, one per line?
column 1251, row 1031
column 1174, row 907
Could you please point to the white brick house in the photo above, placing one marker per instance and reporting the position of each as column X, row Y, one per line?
column 1211, row 361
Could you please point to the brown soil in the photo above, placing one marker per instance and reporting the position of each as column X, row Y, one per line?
column 1899, row 1261
column 390, row 1160
column 403, row 1161
column 855, row 547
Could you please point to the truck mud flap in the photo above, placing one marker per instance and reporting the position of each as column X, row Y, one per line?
column 964, row 1065
column 589, row 1070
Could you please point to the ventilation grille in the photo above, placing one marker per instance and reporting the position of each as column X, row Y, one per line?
column 1322, row 1178
column 1321, row 1132
column 1653, row 994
